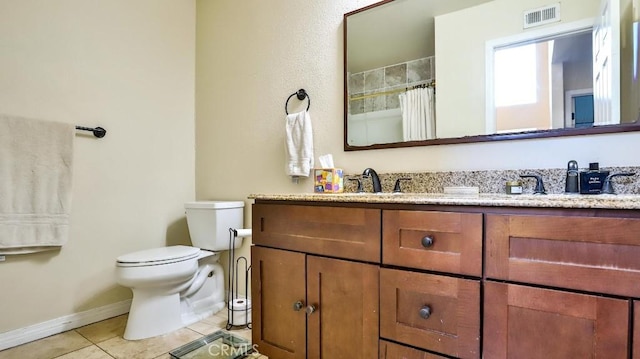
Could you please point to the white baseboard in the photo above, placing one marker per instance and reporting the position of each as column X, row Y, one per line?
column 56, row 326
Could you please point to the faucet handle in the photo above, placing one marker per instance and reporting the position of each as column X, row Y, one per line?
column 607, row 186
column 396, row 188
column 539, row 189
column 360, row 189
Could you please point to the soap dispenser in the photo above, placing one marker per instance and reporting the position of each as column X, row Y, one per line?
column 591, row 181
column 572, row 182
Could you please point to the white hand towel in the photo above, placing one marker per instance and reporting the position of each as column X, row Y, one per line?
column 35, row 184
column 299, row 144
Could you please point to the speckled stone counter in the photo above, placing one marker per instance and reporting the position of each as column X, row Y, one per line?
column 489, row 181
column 484, row 199
column 427, row 188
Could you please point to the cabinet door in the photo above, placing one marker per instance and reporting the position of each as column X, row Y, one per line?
column 277, row 284
column 351, row 233
column 433, row 312
column 344, row 321
column 439, row 241
column 525, row 322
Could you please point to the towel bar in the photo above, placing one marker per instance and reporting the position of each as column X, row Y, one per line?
column 301, row 94
column 98, row 131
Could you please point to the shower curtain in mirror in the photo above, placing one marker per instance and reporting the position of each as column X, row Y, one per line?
column 418, row 114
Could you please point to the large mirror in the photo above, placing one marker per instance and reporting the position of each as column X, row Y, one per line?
column 427, row 72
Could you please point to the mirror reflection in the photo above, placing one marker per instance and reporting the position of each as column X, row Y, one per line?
column 408, row 81
column 545, row 83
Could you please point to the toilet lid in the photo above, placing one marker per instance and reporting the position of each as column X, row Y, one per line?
column 160, row 255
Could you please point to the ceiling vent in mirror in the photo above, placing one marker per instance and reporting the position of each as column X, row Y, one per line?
column 541, row 16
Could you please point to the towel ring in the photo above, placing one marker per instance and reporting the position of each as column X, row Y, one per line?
column 301, row 94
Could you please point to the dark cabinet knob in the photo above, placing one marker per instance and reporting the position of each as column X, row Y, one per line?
column 427, row 241
column 297, row 306
column 311, row 309
column 425, row 312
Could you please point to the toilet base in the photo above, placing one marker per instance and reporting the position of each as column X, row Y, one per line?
column 152, row 314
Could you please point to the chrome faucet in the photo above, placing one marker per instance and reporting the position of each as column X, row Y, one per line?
column 375, row 180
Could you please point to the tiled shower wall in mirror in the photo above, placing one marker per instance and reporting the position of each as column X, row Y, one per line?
column 364, row 85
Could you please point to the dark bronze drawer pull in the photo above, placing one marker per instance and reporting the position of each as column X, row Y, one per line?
column 427, row 241
column 425, row 312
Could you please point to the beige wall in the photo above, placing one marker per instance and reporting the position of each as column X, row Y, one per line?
column 128, row 66
column 252, row 55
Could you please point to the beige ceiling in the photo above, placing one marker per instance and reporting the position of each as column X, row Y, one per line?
column 396, row 32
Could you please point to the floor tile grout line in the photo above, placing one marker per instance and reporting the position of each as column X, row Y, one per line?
column 90, row 341
column 104, row 351
column 85, row 347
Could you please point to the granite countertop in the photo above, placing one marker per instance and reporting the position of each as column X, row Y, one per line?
column 604, row 201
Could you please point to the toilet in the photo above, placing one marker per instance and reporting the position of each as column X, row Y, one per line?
column 176, row 286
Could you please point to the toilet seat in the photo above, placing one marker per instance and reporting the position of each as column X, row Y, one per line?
column 158, row 256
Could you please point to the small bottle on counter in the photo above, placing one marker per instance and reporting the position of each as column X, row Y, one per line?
column 591, row 181
column 514, row 187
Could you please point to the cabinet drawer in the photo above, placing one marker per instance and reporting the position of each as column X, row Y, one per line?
column 439, row 241
column 585, row 253
column 452, row 324
column 351, row 233
column 389, row 350
column 527, row 322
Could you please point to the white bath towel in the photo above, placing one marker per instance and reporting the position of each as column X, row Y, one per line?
column 299, row 144
column 35, row 184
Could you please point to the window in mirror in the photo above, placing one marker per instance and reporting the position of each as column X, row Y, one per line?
column 516, row 75
column 534, row 78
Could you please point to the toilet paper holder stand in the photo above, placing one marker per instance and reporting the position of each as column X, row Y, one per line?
column 238, row 318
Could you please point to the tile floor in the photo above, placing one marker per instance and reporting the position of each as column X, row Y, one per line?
column 103, row 340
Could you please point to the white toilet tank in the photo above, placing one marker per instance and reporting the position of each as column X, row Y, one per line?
column 209, row 223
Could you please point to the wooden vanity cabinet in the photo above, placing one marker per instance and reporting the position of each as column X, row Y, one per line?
column 310, row 306
column 423, row 282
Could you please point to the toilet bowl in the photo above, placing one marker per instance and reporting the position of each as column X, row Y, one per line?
column 176, row 286
column 164, row 281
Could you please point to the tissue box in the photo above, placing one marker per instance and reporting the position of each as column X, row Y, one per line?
column 328, row 180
